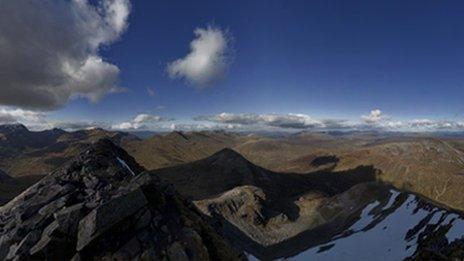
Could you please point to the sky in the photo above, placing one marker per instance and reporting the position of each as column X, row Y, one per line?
column 236, row 65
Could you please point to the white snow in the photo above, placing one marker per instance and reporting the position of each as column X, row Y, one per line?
column 457, row 230
column 124, row 165
column 385, row 241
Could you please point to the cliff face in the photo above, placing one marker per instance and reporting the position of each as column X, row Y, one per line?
column 103, row 205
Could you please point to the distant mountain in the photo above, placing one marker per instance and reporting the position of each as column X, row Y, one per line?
column 179, row 147
column 325, row 195
column 228, row 169
column 145, row 134
column 101, row 205
column 424, row 164
column 25, row 153
column 427, row 165
column 16, row 138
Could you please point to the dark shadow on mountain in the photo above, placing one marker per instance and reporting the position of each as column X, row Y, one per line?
column 11, row 187
column 228, row 169
column 324, row 160
column 210, row 178
column 337, row 228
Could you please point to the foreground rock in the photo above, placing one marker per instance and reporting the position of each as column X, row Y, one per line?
column 102, row 206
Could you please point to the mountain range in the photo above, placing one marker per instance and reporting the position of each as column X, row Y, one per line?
column 226, row 196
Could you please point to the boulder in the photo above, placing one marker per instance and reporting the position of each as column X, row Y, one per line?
column 102, row 218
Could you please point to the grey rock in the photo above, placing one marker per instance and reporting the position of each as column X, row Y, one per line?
column 40, row 245
column 52, row 207
column 144, row 220
column 22, row 248
column 68, row 218
column 52, row 229
column 176, row 252
column 91, row 181
column 104, row 217
column 76, row 257
column 130, row 250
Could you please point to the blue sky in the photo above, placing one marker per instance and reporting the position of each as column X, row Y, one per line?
column 324, row 59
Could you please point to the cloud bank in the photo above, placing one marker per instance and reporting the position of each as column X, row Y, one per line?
column 140, row 122
column 284, row 121
column 10, row 116
column 374, row 121
column 208, row 60
column 49, row 50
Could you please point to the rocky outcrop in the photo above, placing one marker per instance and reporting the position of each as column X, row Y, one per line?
column 102, row 205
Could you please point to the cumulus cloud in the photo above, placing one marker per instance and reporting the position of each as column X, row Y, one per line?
column 78, row 125
column 50, row 50
column 376, row 119
column 230, row 118
column 208, row 60
column 438, row 125
column 9, row 116
column 200, row 127
column 394, row 124
column 293, row 121
column 286, row 121
column 373, row 117
column 141, row 121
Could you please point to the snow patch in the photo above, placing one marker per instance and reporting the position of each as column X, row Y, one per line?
column 124, row 165
column 387, row 239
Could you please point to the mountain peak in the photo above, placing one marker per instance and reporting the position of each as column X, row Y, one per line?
column 228, row 153
column 13, row 127
column 104, row 152
column 93, row 208
column 229, row 158
column 178, row 134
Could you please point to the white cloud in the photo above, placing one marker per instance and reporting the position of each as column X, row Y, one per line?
column 231, row 118
column 208, row 60
column 141, row 121
column 293, row 121
column 76, row 125
column 422, row 123
column 9, row 116
column 394, row 124
column 286, row 121
column 436, row 125
column 376, row 119
column 373, row 117
column 200, row 127
column 50, row 50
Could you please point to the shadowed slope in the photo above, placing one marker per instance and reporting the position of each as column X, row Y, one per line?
column 264, row 208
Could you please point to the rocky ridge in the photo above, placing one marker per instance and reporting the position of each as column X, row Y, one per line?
column 103, row 205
